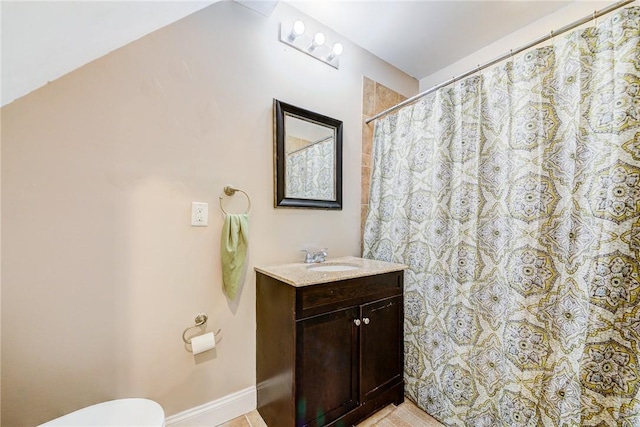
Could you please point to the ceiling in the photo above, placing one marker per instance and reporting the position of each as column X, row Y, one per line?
column 42, row 41
column 422, row 37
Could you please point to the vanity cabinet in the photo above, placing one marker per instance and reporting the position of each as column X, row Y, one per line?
column 328, row 354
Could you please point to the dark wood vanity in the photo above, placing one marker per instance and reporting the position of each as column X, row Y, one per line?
column 329, row 353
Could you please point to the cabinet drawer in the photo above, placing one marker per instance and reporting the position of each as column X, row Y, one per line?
column 315, row 299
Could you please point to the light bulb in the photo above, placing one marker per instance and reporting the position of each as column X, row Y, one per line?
column 335, row 51
column 318, row 39
column 298, row 30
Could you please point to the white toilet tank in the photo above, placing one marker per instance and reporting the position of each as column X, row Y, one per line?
column 120, row 412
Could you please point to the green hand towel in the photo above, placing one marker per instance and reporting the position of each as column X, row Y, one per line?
column 233, row 251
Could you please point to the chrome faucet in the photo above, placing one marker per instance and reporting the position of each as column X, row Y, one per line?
column 310, row 257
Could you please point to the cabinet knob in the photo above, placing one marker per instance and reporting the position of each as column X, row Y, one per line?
column 356, row 321
column 366, row 320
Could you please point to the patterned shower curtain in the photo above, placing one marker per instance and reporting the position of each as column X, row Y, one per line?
column 514, row 198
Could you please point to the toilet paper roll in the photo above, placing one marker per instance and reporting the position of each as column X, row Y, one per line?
column 203, row 343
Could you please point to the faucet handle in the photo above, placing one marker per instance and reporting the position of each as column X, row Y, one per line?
column 320, row 255
column 308, row 256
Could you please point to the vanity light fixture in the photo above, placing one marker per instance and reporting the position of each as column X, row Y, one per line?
column 316, row 46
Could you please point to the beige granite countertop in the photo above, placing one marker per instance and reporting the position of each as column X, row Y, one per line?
column 299, row 274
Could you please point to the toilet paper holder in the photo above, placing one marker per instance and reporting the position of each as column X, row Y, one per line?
column 201, row 319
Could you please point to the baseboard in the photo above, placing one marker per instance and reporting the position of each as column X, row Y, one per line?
column 216, row 412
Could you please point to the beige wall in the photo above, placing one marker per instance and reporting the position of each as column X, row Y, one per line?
column 101, row 271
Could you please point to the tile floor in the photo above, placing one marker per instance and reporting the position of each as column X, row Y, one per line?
column 405, row 415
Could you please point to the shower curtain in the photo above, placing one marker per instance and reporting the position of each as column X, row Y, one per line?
column 514, row 198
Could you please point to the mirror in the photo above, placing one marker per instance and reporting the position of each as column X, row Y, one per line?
column 308, row 158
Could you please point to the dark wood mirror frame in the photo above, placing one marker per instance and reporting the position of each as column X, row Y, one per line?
column 279, row 110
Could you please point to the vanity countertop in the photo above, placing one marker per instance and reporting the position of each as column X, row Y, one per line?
column 300, row 274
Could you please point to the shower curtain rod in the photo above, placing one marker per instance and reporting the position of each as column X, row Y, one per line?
column 311, row 144
column 509, row 54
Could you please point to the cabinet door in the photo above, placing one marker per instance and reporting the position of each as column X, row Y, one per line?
column 327, row 367
column 381, row 346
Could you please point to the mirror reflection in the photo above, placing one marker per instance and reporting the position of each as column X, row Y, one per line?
column 308, row 158
column 309, row 164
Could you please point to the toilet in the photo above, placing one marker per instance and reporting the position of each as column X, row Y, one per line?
column 120, row 412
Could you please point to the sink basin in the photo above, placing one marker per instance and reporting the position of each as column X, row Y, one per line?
column 333, row 267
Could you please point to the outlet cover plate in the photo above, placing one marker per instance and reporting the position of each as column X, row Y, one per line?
column 199, row 214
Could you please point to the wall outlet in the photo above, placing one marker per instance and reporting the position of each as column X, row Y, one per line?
column 199, row 214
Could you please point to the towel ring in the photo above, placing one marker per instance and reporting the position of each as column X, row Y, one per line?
column 230, row 190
